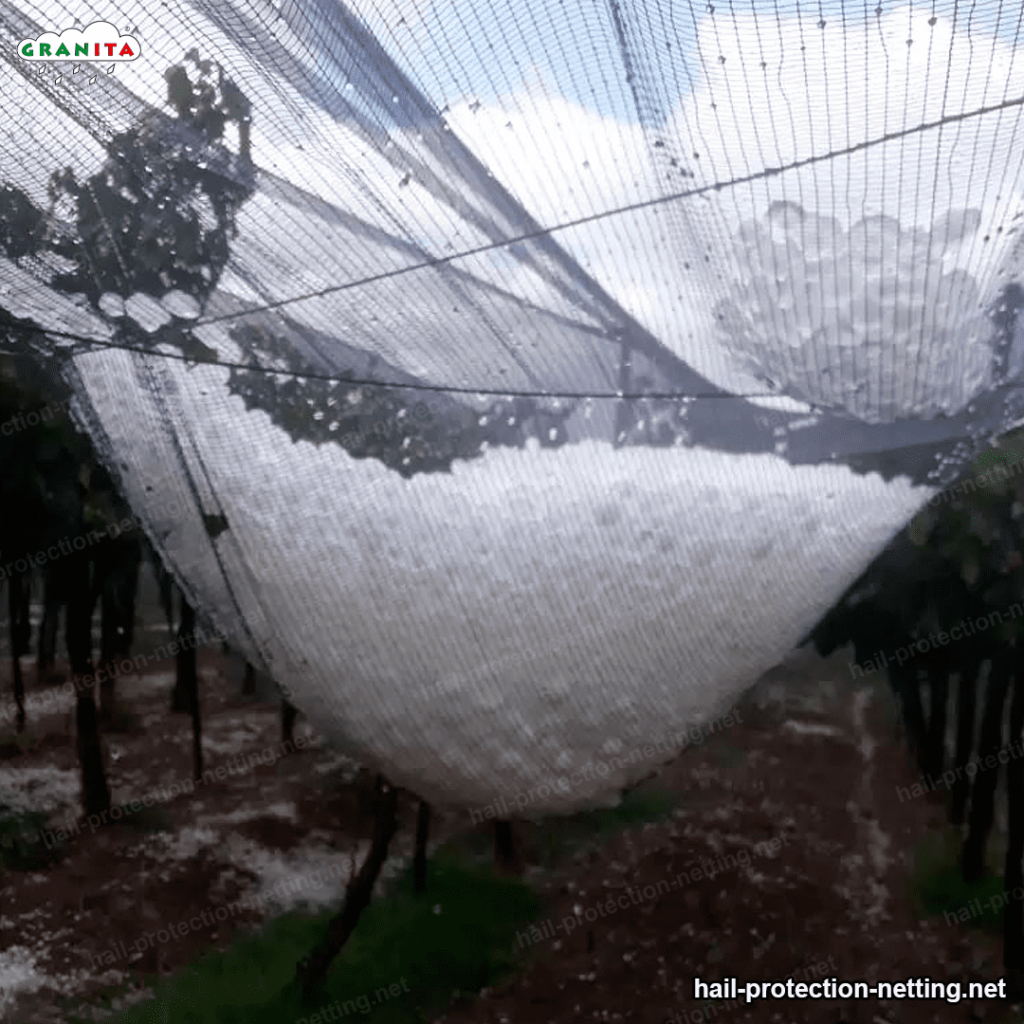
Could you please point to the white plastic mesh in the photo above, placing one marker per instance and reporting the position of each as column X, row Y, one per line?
column 510, row 380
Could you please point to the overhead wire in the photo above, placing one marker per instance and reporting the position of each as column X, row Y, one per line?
column 717, row 186
column 345, row 378
column 642, row 204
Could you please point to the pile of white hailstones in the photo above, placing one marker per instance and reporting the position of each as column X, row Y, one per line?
column 881, row 320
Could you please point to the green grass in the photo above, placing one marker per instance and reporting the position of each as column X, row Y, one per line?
column 429, row 957
column 21, row 845
column 560, row 837
column 457, row 937
column 13, row 744
column 557, row 838
column 939, row 888
column 637, row 806
column 23, row 848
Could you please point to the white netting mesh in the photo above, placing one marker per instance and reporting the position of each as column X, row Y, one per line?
column 478, row 366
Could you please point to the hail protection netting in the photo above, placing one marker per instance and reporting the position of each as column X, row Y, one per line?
column 515, row 382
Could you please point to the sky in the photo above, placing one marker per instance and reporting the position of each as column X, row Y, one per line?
column 541, row 93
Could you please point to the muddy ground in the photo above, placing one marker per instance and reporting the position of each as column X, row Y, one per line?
column 789, row 854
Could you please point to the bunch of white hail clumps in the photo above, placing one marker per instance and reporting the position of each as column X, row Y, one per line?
column 877, row 320
column 490, row 631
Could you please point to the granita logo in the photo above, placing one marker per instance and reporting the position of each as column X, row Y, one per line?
column 101, row 41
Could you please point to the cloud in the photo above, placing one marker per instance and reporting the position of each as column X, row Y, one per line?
column 566, row 163
column 768, row 93
column 101, row 41
column 860, row 278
